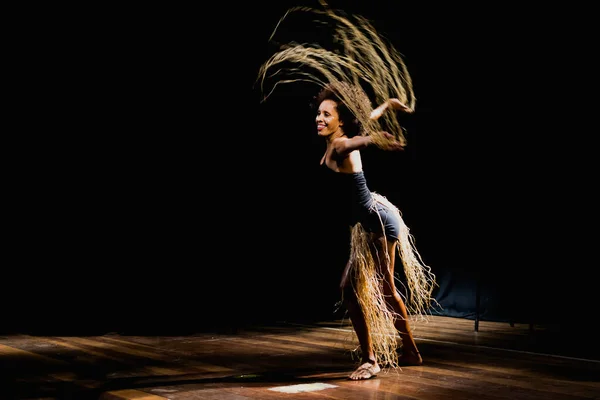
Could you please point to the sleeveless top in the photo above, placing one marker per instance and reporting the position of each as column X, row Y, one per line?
column 358, row 204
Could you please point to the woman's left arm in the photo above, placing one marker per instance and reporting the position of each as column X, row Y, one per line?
column 394, row 103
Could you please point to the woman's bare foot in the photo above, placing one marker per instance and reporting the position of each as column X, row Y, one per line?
column 365, row 371
column 410, row 357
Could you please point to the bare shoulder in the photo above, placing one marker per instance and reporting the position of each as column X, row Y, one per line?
column 340, row 139
column 339, row 142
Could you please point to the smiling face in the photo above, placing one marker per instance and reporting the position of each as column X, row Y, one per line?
column 328, row 118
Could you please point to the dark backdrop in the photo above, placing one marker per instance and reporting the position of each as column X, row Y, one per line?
column 156, row 193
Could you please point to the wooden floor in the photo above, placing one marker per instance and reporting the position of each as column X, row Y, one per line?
column 299, row 361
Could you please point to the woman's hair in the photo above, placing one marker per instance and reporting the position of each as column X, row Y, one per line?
column 359, row 60
column 353, row 105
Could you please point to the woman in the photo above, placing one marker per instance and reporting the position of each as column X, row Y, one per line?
column 358, row 59
column 368, row 283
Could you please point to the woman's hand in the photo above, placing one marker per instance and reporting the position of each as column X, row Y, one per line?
column 392, row 143
column 398, row 105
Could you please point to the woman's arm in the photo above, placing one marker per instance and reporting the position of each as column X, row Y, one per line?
column 383, row 139
column 344, row 146
column 394, row 103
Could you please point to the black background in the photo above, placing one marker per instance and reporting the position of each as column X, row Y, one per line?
column 153, row 191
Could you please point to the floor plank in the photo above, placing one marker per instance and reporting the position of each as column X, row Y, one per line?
column 299, row 360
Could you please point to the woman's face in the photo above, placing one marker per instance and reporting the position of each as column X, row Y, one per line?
column 327, row 118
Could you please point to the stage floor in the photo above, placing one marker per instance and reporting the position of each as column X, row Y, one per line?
column 295, row 360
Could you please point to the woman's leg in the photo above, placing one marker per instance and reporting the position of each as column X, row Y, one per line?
column 385, row 255
column 369, row 367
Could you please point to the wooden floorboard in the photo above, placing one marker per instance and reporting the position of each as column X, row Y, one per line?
column 300, row 360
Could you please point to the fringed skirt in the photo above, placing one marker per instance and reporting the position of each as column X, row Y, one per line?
column 367, row 282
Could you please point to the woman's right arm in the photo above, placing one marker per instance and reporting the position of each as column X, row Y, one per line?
column 344, row 146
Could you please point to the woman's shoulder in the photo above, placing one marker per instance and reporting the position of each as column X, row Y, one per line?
column 340, row 139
